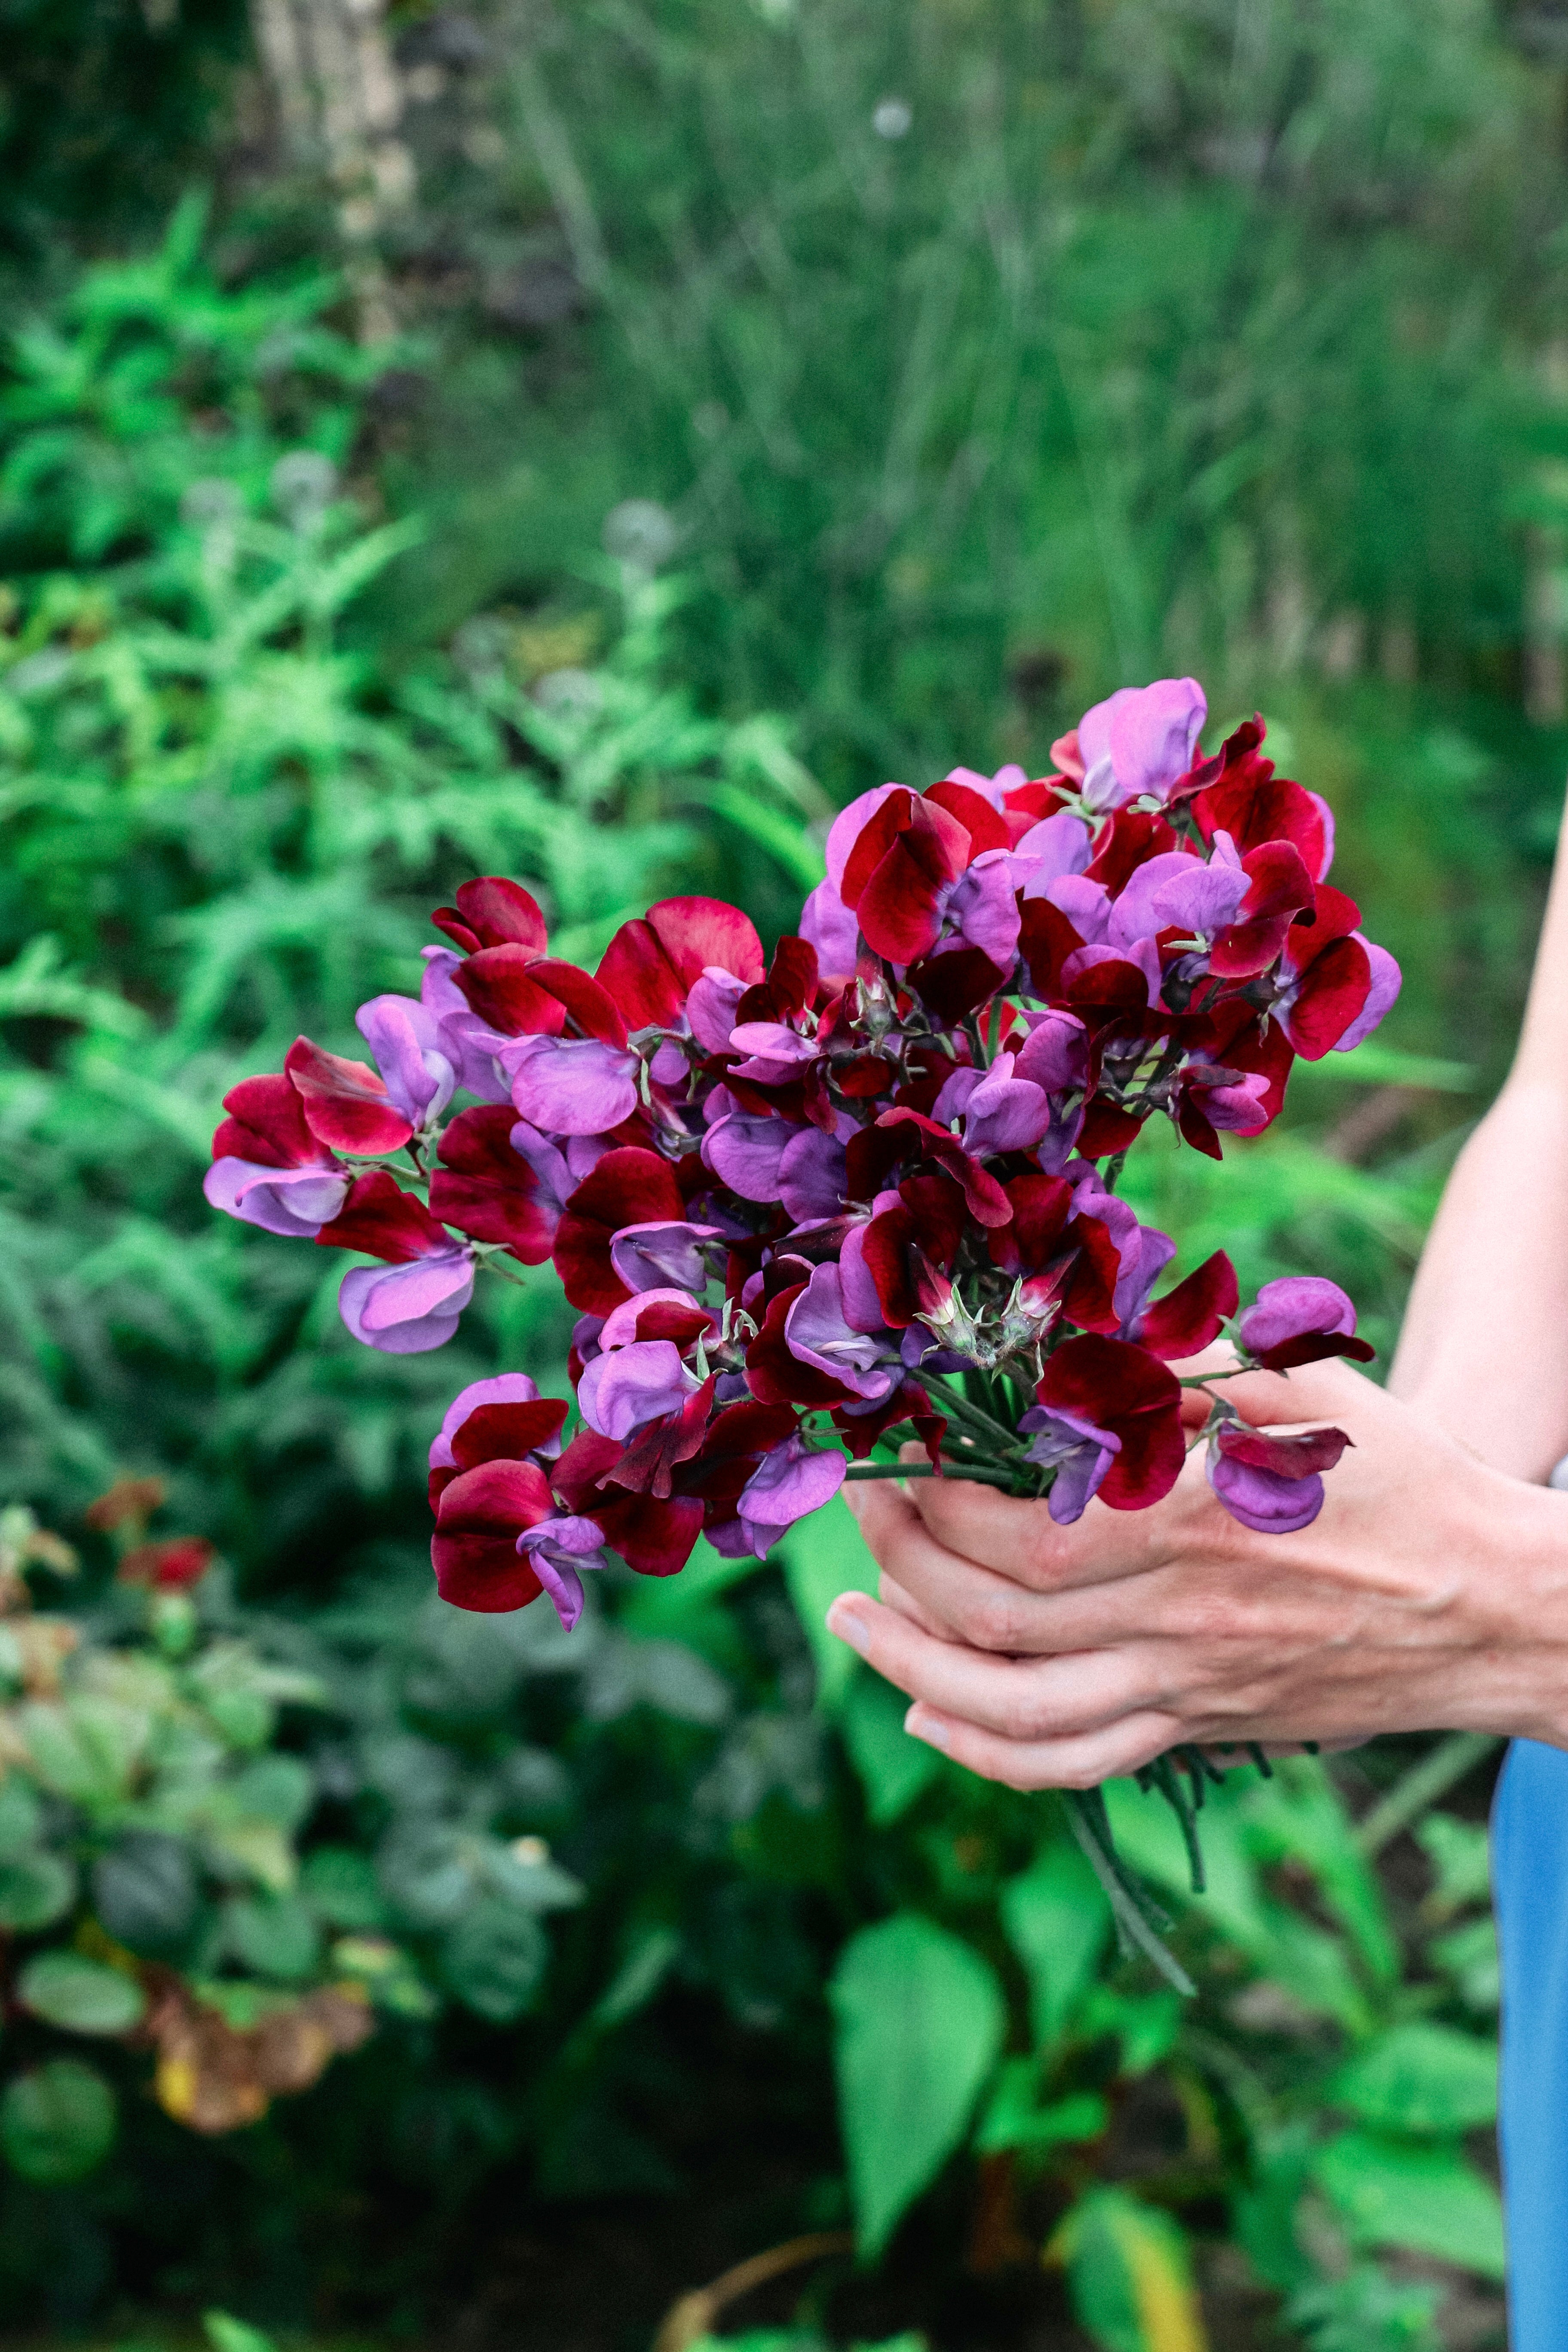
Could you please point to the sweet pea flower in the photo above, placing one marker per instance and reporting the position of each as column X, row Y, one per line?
column 790, row 1482
column 513, row 1407
column 712, row 1005
column 268, row 1169
column 1000, row 1111
column 1300, row 1319
column 560, row 1551
column 412, row 1300
column 571, row 1085
column 620, row 1392
column 827, row 924
column 405, row 1037
column 1079, row 1454
column 817, row 1332
column 469, row 1043
column 666, row 1256
column 1272, row 1484
column 1139, row 741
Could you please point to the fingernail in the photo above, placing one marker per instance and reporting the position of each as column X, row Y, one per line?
column 849, row 1628
column 920, row 1726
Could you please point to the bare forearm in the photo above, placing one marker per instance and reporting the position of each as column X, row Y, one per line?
column 1485, row 1345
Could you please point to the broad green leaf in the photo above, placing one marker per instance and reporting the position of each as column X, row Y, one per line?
column 1015, row 2117
column 1263, row 2213
column 1129, row 2276
column 227, row 2335
column 493, row 1960
column 144, row 1890
column 279, row 1788
column 57, row 2122
column 341, row 1888
column 892, row 1766
column 824, row 1555
column 20, row 1816
column 1058, row 1921
column 1431, row 2199
column 79, row 1995
column 86, row 1749
column 35, row 1889
column 1460, row 1855
column 1469, row 1955
column 918, row 2020
column 276, row 1934
column 1421, row 2078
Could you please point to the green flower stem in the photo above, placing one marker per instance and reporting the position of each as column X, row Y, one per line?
column 983, row 1473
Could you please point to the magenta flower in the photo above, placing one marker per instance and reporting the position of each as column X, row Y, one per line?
column 1272, row 1484
column 560, row 1551
column 1079, row 1453
column 667, row 1255
column 1300, row 1319
column 1140, row 740
column 817, row 1332
column 1000, row 1111
column 469, row 1043
column 790, row 1482
column 620, row 1392
column 533, row 1423
column 410, row 1053
column 268, row 1169
column 412, row 1301
column 571, row 1085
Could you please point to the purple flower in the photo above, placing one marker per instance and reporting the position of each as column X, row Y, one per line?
column 993, row 789
column 503, row 1388
column 1057, row 847
column 664, row 1255
column 294, row 1201
column 559, row 1551
column 1079, row 1454
column 857, row 1298
column 1272, row 1484
column 1177, row 892
column 846, row 830
column 1140, row 740
column 777, row 1054
column 1000, row 1112
column 827, row 925
column 469, row 1043
column 744, row 1152
column 1086, row 903
column 1300, row 1319
column 981, row 909
column 620, row 1392
column 788, row 1484
column 406, row 1310
column 712, row 1006
column 410, row 1053
column 811, row 1175
column 571, row 1085
column 818, row 1331
column 1056, row 1054
column 1386, row 981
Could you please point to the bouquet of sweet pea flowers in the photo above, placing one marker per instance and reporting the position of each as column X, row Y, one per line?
column 862, row 1195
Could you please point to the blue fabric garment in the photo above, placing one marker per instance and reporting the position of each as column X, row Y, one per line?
column 1529, row 1883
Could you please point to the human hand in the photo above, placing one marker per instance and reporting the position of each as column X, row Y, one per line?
column 1431, row 1590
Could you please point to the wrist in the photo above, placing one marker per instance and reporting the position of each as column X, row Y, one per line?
column 1514, row 1682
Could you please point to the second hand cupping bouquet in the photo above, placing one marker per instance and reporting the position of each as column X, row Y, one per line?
column 809, row 1209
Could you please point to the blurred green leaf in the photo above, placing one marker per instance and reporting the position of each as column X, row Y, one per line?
column 918, row 2020
column 1059, row 1922
column 1395, row 2193
column 58, row 2122
column 1420, row 2077
column 79, row 1995
column 1129, row 2276
column 893, row 1768
column 493, row 1960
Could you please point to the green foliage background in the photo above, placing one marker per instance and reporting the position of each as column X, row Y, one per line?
column 736, row 453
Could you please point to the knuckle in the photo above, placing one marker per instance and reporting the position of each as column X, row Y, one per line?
column 991, row 1620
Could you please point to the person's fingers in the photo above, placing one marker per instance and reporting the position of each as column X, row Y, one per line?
column 1021, row 1699
column 1081, row 1761
column 893, row 1595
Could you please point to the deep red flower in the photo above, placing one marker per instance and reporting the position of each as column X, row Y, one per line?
column 489, row 1190
column 1188, row 1319
column 169, row 1564
column 386, row 1222
column 1120, row 1387
column 1128, row 840
column 266, row 1126
column 897, row 876
column 650, row 965
column 1254, row 806
column 1330, row 974
column 776, row 1376
column 497, row 1432
column 789, row 990
column 1071, row 1259
column 653, row 1538
column 479, row 1517
column 909, row 1401
column 345, row 1103
column 490, row 913
column 1281, row 889
column 629, row 1187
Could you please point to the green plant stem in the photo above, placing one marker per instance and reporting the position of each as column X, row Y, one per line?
column 949, row 1400
column 1421, row 1787
column 980, row 1471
